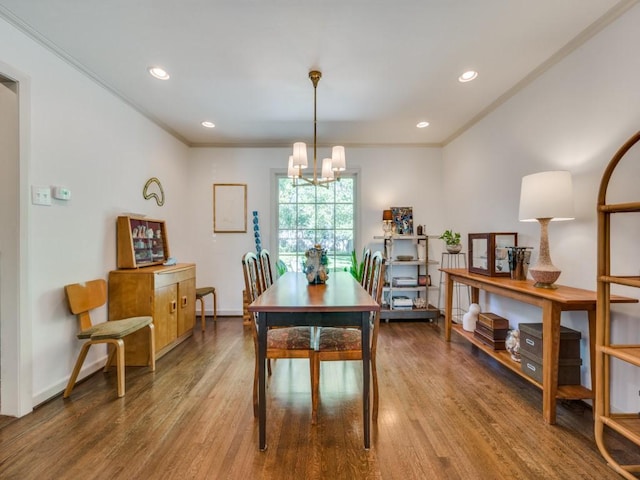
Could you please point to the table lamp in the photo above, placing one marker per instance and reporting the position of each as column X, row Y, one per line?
column 387, row 222
column 545, row 197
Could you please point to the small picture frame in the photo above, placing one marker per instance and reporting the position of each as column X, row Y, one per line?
column 487, row 253
column 402, row 220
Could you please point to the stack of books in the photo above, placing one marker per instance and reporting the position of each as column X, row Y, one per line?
column 402, row 303
column 404, row 282
column 492, row 329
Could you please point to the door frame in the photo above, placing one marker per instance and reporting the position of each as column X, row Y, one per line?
column 16, row 392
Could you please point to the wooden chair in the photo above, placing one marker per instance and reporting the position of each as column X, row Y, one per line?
column 282, row 342
column 200, row 294
column 82, row 298
column 266, row 274
column 337, row 343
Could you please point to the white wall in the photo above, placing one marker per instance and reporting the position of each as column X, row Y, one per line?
column 388, row 176
column 84, row 138
column 573, row 117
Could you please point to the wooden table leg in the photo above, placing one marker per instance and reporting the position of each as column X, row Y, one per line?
column 262, row 404
column 366, row 375
column 550, row 352
column 448, row 306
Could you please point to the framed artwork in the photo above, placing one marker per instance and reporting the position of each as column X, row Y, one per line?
column 229, row 207
column 488, row 255
column 402, row 220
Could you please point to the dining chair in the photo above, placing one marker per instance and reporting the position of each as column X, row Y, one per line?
column 266, row 274
column 339, row 343
column 282, row 342
column 84, row 297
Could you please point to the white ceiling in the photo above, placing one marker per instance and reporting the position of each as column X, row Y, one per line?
column 243, row 64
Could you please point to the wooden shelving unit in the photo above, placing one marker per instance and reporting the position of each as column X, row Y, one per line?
column 626, row 424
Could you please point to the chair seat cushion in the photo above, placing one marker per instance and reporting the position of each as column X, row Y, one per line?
column 289, row 338
column 116, row 328
column 332, row 339
column 203, row 291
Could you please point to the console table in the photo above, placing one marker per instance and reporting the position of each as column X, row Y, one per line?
column 553, row 303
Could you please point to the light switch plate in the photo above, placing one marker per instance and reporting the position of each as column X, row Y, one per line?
column 40, row 195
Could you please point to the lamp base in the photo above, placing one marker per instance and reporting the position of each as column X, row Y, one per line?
column 545, row 277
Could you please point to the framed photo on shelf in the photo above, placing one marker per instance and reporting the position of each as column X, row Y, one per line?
column 229, row 208
column 402, row 220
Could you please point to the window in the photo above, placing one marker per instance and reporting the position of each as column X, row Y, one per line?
column 309, row 215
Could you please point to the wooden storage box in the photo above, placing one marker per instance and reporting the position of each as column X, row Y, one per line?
column 493, row 321
column 141, row 242
column 487, row 339
column 568, row 368
column 494, row 333
column 531, row 341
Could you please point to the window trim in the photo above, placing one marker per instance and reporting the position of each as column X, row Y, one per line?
column 273, row 227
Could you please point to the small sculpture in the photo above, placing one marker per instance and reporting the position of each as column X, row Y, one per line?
column 470, row 318
column 512, row 344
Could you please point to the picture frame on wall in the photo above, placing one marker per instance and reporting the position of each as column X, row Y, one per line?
column 402, row 220
column 229, row 207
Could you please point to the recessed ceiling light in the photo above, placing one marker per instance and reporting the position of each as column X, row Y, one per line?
column 208, row 124
column 468, row 76
column 159, row 73
column 422, row 124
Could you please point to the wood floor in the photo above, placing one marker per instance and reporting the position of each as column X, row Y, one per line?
column 446, row 412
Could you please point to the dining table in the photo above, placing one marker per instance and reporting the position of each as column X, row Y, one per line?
column 292, row 301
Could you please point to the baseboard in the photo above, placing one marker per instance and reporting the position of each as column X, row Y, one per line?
column 58, row 387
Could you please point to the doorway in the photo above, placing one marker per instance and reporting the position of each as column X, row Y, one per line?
column 15, row 378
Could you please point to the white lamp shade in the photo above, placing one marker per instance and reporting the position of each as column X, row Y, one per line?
column 291, row 170
column 546, row 195
column 327, row 173
column 300, row 155
column 339, row 162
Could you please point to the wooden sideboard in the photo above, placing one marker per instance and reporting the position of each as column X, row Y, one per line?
column 552, row 302
column 168, row 294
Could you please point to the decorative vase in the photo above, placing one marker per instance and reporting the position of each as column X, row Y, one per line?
column 454, row 248
column 315, row 267
column 519, row 258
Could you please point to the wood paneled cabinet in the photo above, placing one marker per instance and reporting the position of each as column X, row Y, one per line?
column 167, row 293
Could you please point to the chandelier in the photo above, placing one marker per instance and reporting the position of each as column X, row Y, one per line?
column 331, row 167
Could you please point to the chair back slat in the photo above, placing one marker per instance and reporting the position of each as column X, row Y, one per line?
column 366, row 268
column 266, row 274
column 83, row 297
column 375, row 262
column 377, row 276
column 251, row 271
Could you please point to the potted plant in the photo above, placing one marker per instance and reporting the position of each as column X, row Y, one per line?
column 452, row 241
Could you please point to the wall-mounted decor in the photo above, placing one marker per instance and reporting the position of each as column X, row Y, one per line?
column 402, row 220
column 229, row 207
column 488, row 253
column 159, row 197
